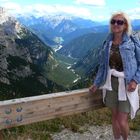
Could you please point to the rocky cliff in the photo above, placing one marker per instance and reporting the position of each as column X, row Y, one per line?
column 22, row 56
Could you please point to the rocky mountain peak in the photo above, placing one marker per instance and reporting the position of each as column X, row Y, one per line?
column 4, row 16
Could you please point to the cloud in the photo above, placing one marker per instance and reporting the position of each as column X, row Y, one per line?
column 134, row 13
column 11, row 6
column 4, row 0
column 91, row 2
column 44, row 9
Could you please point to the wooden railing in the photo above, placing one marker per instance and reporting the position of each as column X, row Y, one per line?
column 28, row 110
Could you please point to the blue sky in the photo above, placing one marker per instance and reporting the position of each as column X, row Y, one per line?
column 97, row 10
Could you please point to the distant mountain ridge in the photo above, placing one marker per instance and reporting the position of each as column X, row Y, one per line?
column 84, row 31
column 66, row 27
column 79, row 47
column 55, row 26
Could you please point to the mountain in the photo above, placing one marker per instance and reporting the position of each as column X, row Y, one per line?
column 136, row 22
column 26, row 62
column 39, row 27
column 85, row 23
column 54, row 26
column 80, row 32
column 22, row 55
column 79, row 47
column 88, row 63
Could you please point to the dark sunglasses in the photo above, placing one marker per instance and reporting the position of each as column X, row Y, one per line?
column 119, row 22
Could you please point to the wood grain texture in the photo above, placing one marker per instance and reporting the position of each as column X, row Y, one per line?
column 28, row 110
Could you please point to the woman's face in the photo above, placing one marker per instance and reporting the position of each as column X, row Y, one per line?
column 118, row 24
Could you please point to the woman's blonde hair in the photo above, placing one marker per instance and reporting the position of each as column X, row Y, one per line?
column 127, row 21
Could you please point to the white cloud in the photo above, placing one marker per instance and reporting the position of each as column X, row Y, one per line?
column 4, row 0
column 77, row 11
column 134, row 13
column 11, row 6
column 44, row 9
column 91, row 2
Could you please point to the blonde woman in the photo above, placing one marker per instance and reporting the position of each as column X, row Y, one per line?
column 119, row 74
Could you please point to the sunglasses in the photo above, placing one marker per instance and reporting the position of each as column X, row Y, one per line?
column 119, row 22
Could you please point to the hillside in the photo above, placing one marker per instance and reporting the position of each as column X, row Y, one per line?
column 22, row 61
column 82, row 45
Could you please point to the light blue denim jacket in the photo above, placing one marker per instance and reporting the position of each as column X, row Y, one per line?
column 130, row 53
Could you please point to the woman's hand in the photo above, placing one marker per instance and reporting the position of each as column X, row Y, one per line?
column 93, row 88
column 132, row 86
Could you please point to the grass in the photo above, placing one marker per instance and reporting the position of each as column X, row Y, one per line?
column 65, row 59
column 57, row 71
column 62, row 76
column 44, row 130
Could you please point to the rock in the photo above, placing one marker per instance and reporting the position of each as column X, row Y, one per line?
column 93, row 133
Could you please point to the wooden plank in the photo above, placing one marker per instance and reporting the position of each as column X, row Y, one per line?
column 28, row 110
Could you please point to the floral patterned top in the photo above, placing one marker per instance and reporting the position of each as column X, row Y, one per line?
column 115, row 60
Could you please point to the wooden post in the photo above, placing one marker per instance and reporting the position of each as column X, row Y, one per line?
column 28, row 110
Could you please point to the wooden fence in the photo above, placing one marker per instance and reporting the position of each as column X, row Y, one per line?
column 28, row 110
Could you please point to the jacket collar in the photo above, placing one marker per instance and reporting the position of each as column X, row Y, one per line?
column 126, row 37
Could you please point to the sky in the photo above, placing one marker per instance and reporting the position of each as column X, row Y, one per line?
column 96, row 10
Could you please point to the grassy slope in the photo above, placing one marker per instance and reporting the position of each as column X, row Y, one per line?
column 57, row 71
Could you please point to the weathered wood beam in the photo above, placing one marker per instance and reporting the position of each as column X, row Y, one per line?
column 28, row 110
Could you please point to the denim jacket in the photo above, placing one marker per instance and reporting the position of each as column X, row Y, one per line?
column 130, row 54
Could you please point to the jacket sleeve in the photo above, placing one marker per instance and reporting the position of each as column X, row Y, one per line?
column 137, row 55
column 98, row 79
